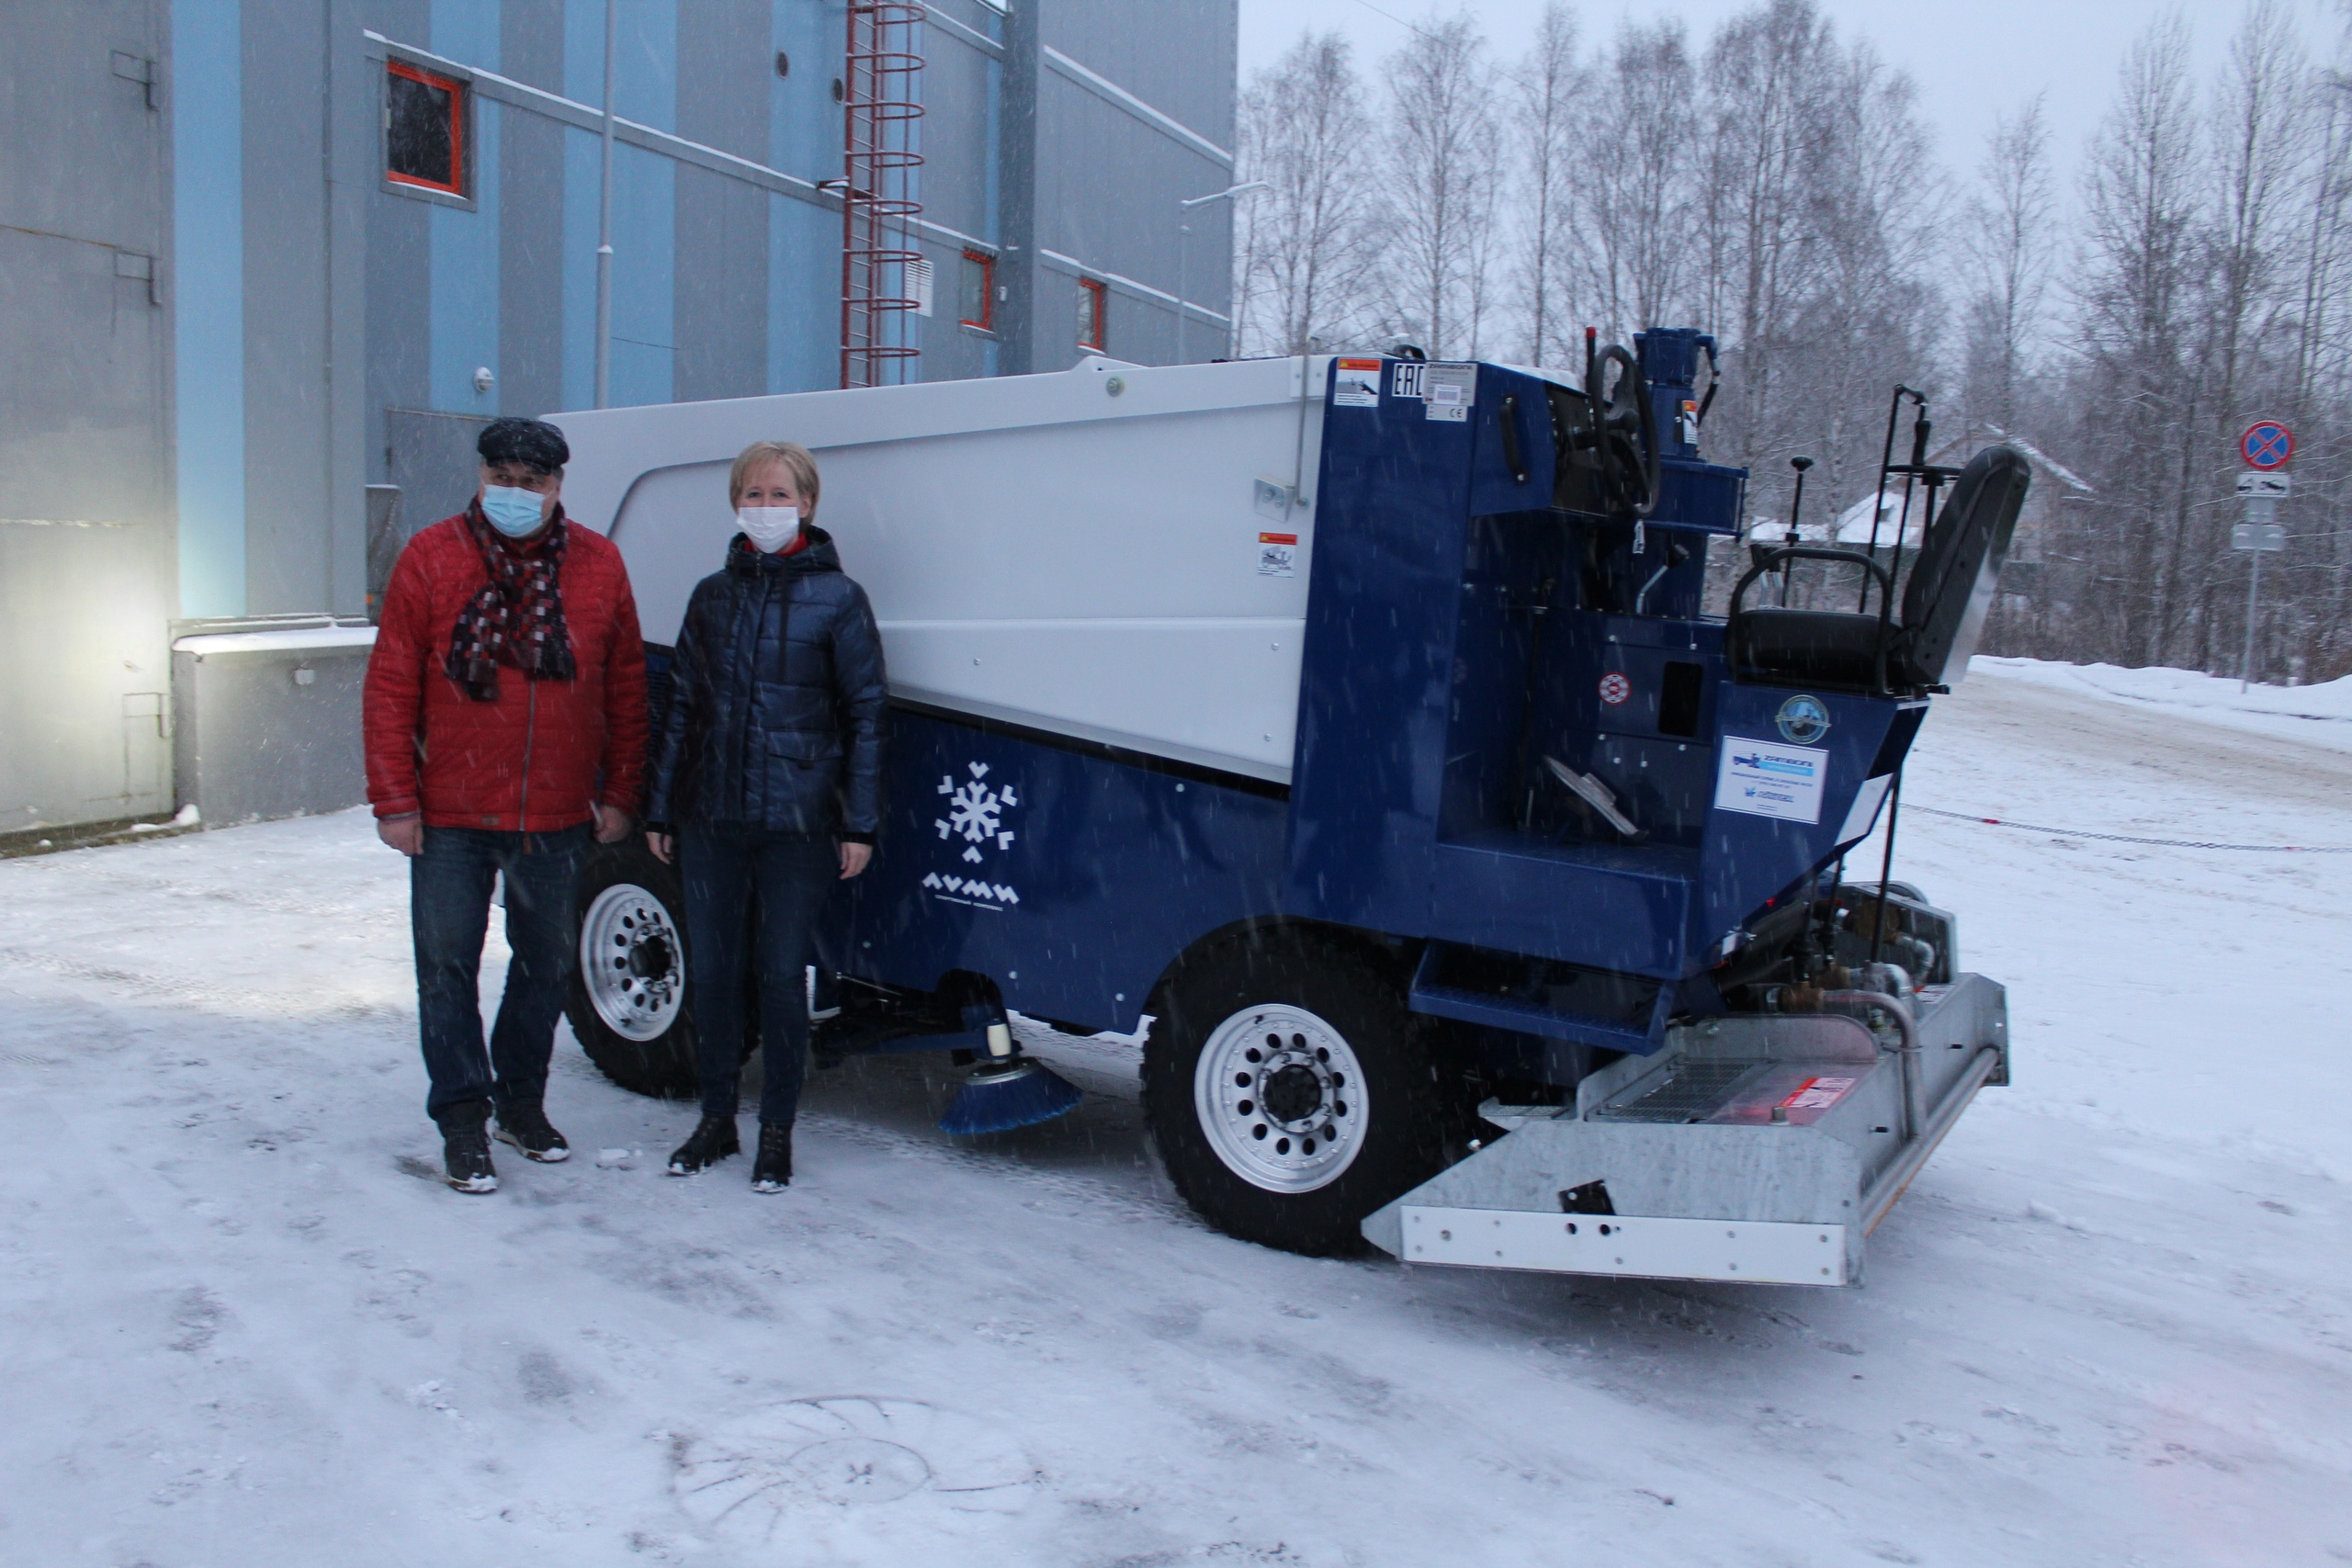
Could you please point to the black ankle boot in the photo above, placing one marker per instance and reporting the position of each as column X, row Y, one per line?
column 771, row 1171
column 712, row 1140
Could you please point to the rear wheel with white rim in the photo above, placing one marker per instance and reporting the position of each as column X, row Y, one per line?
column 1291, row 1090
column 628, row 1005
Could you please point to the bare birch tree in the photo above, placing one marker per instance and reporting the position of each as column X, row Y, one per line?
column 2010, row 251
column 2143, row 200
column 1635, row 181
column 1548, row 89
column 1440, row 171
column 1304, row 253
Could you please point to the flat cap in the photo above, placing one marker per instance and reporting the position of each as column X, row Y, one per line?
column 531, row 442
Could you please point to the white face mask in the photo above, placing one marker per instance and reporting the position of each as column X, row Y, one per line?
column 769, row 528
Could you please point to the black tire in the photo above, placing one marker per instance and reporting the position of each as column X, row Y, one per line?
column 1232, row 1000
column 661, row 1064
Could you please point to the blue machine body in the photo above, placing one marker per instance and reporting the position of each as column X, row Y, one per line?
column 1462, row 626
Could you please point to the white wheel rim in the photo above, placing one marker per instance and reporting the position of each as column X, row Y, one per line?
column 632, row 962
column 1281, row 1097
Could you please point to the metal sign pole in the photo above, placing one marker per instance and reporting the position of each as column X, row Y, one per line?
column 2253, row 594
column 2265, row 448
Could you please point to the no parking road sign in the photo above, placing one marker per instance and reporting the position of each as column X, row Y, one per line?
column 2267, row 444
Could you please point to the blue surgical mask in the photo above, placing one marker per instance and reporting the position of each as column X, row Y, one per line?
column 513, row 511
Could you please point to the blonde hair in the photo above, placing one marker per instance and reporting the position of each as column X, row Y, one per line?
column 797, row 461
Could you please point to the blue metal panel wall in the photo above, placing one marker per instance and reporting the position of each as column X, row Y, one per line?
column 803, row 239
column 465, row 244
column 1071, row 879
column 207, row 243
column 583, row 163
column 645, row 207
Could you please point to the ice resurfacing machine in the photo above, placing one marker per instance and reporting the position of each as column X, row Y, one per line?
column 1355, row 722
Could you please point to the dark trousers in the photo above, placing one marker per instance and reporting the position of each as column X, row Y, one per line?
column 793, row 874
column 448, row 905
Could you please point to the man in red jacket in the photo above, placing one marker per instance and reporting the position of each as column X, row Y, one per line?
column 505, row 723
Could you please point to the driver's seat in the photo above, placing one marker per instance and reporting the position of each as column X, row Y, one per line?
column 1944, row 604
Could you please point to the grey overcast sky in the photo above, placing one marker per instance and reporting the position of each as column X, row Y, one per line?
column 1972, row 59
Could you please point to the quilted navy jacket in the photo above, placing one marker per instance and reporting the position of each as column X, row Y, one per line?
column 776, row 718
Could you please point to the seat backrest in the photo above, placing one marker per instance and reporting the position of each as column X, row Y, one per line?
column 1959, row 567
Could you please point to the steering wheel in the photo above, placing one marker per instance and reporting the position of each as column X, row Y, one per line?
column 1624, row 429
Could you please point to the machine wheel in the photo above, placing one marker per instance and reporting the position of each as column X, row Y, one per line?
column 1291, row 1090
column 628, row 1006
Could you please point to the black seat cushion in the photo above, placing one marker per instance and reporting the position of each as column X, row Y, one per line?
column 1815, row 648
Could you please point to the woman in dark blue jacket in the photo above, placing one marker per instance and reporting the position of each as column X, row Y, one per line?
column 768, row 777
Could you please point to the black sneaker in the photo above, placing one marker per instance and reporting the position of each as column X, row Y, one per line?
column 712, row 1140
column 771, row 1171
column 528, row 1128
column 465, row 1148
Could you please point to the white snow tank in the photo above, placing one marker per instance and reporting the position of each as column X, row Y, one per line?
column 1112, row 552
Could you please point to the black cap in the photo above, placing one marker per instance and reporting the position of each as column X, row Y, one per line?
column 534, row 443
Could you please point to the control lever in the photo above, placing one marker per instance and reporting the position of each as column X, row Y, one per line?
column 1595, row 793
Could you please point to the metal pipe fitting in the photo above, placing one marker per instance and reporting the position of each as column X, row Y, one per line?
column 1915, row 1111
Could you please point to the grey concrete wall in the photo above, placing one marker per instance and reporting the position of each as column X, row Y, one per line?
column 88, row 569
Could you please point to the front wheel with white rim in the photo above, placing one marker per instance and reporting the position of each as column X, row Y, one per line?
column 1291, row 1090
column 628, row 1006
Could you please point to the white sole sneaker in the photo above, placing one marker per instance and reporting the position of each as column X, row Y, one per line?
column 474, row 1183
column 556, row 1155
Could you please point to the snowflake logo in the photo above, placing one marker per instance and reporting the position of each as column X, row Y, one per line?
column 975, row 811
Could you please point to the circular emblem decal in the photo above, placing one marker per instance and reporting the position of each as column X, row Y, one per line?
column 1615, row 688
column 1804, row 720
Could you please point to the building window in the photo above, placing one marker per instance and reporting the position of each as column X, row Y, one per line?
column 980, row 291
column 1093, row 300
column 424, row 129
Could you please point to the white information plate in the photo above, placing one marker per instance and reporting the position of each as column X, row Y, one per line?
column 1771, row 778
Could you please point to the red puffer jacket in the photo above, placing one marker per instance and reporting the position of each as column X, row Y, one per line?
column 534, row 760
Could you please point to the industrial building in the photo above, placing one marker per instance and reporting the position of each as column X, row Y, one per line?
column 268, row 266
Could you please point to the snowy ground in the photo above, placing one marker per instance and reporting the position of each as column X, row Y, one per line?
column 240, row 1324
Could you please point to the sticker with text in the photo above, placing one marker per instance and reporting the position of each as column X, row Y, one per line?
column 1818, row 1094
column 1450, row 390
column 1277, row 554
column 1767, row 778
column 1355, row 384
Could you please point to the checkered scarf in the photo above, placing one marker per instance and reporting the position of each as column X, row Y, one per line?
column 515, row 618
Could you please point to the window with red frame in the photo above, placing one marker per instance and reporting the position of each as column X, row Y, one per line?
column 980, row 291
column 424, row 129
column 1093, row 300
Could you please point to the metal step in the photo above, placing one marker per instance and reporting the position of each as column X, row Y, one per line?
column 1753, row 1147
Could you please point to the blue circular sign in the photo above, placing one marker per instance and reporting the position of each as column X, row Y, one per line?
column 1802, row 720
column 2267, row 444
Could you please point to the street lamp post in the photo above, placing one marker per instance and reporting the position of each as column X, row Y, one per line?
column 1183, row 241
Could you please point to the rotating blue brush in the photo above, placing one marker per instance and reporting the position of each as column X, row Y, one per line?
column 1007, row 1090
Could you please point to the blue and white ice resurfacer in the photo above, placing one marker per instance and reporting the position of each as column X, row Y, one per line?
column 1349, row 732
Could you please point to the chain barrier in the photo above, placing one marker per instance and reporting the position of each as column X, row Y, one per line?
column 2127, row 838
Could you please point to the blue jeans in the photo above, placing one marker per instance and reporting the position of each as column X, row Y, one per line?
column 448, row 905
column 794, row 874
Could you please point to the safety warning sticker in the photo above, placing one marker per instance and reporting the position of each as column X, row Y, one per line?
column 1767, row 778
column 1451, row 390
column 1277, row 554
column 1818, row 1094
column 1355, row 384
